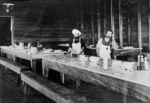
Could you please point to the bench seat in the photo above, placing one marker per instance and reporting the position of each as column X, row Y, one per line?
column 14, row 66
column 52, row 90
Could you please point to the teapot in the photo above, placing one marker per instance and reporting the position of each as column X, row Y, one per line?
column 142, row 63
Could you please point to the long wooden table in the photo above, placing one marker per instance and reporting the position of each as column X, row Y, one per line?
column 118, row 52
column 135, row 83
column 130, row 51
column 23, row 54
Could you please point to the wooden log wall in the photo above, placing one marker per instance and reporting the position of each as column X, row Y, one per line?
column 53, row 20
column 43, row 20
column 129, row 19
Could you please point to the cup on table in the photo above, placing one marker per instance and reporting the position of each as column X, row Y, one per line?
column 21, row 45
column 29, row 45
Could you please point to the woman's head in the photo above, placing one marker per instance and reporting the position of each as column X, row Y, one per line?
column 76, row 33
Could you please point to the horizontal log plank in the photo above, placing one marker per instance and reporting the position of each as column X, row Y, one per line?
column 31, row 39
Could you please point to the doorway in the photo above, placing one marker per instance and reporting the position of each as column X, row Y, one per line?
column 6, row 30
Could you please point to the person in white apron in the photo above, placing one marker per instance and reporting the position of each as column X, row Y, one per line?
column 77, row 45
column 104, row 45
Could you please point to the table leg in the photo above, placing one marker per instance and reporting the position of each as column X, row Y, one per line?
column 20, row 60
column 78, row 82
column 2, row 54
column 125, row 93
column 45, row 72
column 62, row 77
column 33, row 65
column 14, row 58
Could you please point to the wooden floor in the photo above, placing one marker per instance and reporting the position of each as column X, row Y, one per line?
column 9, row 93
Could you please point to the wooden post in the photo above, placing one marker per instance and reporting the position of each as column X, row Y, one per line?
column 139, row 24
column 98, row 20
column 149, row 23
column 12, row 32
column 105, row 20
column 112, row 17
column 129, row 26
column 82, row 25
column 120, row 24
column 92, row 24
column 77, row 17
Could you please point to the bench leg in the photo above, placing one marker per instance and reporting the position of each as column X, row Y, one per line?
column 22, row 88
column 25, row 89
column 18, row 80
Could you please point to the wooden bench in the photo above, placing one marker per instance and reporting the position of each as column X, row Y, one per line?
column 54, row 91
column 14, row 66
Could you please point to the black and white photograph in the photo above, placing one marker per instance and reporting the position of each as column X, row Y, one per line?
column 74, row 51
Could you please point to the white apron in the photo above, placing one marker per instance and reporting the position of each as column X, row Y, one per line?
column 105, row 51
column 76, row 47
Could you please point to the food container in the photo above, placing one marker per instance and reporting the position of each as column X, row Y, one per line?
column 105, row 63
column 83, row 58
column 34, row 50
column 94, row 59
column 21, row 45
column 29, row 45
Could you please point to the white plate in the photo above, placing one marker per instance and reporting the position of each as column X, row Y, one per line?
column 57, row 51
